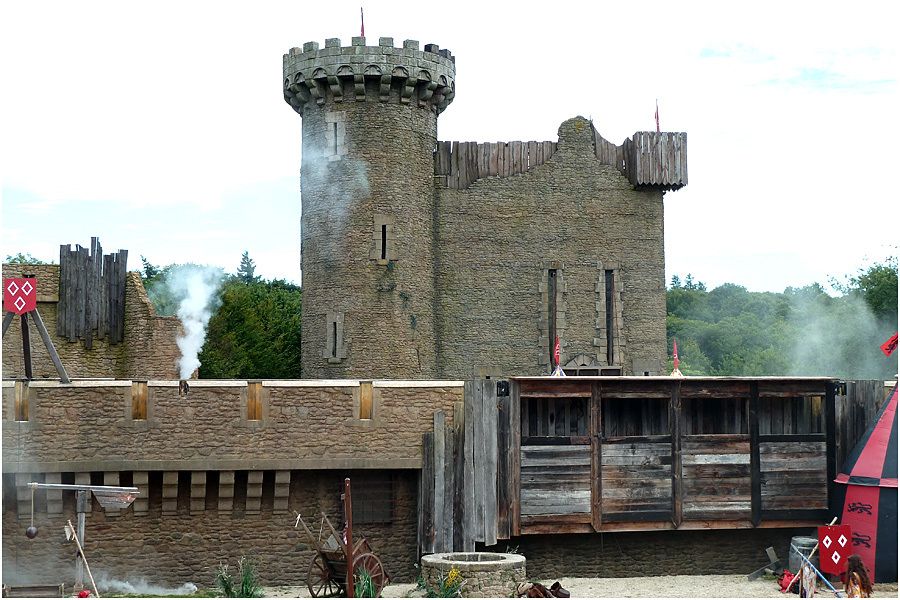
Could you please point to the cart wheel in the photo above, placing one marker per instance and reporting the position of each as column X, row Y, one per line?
column 319, row 580
column 372, row 565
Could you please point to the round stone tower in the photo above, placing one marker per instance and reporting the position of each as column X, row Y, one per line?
column 368, row 204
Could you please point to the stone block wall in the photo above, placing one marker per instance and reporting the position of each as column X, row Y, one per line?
column 651, row 553
column 148, row 350
column 499, row 237
column 88, row 426
column 170, row 541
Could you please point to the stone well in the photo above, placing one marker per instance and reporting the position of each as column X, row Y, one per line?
column 486, row 574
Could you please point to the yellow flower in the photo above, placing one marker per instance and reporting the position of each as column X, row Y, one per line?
column 453, row 577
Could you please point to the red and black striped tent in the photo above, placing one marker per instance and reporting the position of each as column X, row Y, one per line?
column 870, row 494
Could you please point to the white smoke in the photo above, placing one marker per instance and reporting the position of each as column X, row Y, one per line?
column 142, row 588
column 196, row 290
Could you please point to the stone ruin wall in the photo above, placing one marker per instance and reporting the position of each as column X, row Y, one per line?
column 148, row 351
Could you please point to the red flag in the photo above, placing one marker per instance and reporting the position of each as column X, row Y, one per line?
column 657, row 131
column 834, row 548
column 556, row 352
column 889, row 346
column 675, row 352
column 19, row 295
column 362, row 23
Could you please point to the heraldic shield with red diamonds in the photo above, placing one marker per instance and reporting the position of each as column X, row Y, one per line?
column 834, row 548
column 19, row 295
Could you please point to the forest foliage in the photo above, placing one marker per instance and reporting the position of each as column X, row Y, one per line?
column 255, row 331
column 802, row 331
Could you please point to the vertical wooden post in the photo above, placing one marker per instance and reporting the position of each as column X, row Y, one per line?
column 755, row 484
column 595, row 430
column 675, row 425
column 26, row 347
column 82, row 503
column 515, row 457
column 48, row 343
column 348, row 513
column 829, row 443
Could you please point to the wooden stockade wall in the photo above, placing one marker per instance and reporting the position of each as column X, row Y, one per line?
column 654, row 159
column 91, row 294
column 588, row 454
column 855, row 412
column 462, row 163
column 465, row 493
column 580, row 455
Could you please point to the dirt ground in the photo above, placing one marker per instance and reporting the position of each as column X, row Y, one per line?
column 679, row 586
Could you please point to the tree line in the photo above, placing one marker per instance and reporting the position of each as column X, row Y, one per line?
column 255, row 329
column 801, row 331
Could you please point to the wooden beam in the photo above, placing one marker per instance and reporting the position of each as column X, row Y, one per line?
column 755, row 485
column 831, row 469
column 675, row 424
column 26, row 346
column 596, row 458
column 7, row 319
column 515, row 456
column 438, row 461
column 48, row 343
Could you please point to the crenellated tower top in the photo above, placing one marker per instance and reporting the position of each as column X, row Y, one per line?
column 363, row 73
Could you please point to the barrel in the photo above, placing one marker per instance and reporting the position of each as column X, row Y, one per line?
column 804, row 545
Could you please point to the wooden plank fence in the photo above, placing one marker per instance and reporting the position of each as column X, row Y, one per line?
column 91, row 294
column 465, row 492
column 462, row 163
column 522, row 457
column 651, row 159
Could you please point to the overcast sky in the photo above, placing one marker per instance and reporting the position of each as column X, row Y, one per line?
column 161, row 128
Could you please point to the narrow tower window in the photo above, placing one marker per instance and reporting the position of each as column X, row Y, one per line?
column 335, row 349
column 384, row 244
column 334, row 148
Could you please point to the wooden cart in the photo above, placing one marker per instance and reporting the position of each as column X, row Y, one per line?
column 327, row 575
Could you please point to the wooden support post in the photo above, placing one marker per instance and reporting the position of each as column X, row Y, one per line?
column 755, row 483
column 7, row 319
column 831, row 469
column 675, row 425
column 515, row 457
column 596, row 458
column 26, row 347
column 82, row 506
column 438, row 483
column 48, row 343
column 348, row 550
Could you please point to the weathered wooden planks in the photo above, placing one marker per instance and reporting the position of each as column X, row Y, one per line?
column 459, row 164
column 637, row 481
column 707, row 491
column 91, row 294
column 555, row 480
column 793, row 475
column 657, row 159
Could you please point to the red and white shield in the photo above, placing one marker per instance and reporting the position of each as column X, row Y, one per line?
column 19, row 295
column 834, row 548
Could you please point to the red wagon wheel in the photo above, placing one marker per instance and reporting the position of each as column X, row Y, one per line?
column 372, row 565
column 319, row 579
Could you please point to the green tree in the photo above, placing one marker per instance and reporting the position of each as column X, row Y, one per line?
column 26, row 258
column 255, row 333
column 877, row 285
column 246, row 272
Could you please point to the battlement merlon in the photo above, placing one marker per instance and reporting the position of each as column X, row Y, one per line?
column 334, row 73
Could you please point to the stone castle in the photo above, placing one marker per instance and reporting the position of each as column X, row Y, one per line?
column 424, row 259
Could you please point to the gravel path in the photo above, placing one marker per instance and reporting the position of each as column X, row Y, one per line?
column 678, row 586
